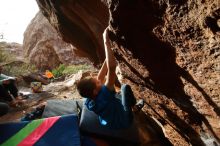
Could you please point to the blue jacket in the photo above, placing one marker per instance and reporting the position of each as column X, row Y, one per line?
column 109, row 109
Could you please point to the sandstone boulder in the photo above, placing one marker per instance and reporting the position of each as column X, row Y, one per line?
column 45, row 48
column 167, row 50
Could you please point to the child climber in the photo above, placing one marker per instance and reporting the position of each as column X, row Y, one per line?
column 114, row 111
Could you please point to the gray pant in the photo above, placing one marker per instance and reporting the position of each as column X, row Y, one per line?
column 127, row 97
column 4, row 108
column 7, row 91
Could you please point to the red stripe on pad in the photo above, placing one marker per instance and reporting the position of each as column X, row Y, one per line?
column 39, row 132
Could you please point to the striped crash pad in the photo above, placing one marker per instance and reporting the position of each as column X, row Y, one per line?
column 53, row 131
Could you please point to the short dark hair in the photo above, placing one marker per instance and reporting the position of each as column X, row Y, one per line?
column 86, row 87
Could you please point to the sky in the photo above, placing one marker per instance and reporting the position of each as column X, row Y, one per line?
column 15, row 15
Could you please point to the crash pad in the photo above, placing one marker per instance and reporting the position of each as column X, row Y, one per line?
column 56, row 131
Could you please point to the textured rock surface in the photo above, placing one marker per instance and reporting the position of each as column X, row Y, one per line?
column 81, row 23
column 45, row 48
column 167, row 50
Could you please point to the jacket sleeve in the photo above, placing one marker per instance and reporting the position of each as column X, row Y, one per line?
column 4, row 77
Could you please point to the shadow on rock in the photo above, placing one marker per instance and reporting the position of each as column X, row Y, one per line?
column 150, row 131
column 133, row 23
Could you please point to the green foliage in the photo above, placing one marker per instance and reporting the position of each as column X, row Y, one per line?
column 71, row 69
column 11, row 66
column 6, row 57
column 57, row 72
column 2, row 57
column 17, row 70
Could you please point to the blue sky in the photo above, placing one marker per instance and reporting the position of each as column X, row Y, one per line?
column 15, row 15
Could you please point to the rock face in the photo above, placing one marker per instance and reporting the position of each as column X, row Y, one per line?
column 81, row 23
column 45, row 48
column 167, row 49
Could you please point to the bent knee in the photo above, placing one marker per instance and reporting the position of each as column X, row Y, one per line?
column 125, row 86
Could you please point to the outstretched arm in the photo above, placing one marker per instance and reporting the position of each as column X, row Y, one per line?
column 110, row 61
column 102, row 72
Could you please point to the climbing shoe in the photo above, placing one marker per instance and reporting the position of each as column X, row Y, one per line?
column 139, row 105
column 37, row 113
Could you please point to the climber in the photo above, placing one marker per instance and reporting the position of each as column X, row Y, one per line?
column 114, row 109
column 8, row 90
